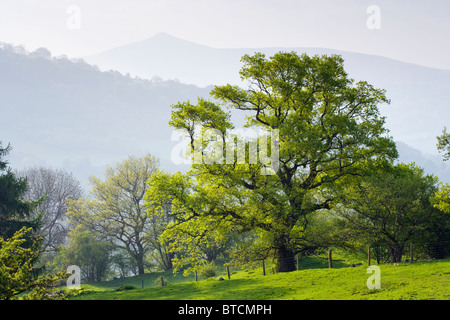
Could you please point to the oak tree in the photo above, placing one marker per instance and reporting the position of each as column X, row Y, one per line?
column 328, row 128
column 115, row 209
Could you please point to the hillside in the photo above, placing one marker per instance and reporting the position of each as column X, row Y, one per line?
column 428, row 280
column 69, row 114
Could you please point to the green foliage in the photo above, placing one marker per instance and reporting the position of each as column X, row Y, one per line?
column 115, row 211
column 92, row 255
column 193, row 240
column 125, row 287
column 325, row 229
column 391, row 207
column 186, row 116
column 207, row 270
column 442, row 198
column 17, row 274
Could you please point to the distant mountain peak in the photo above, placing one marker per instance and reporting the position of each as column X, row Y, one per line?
column 163, row 35
column 166, row 39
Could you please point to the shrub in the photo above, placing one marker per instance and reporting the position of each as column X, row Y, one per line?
column 157, row 282
column 208, row 270
column 125, row 287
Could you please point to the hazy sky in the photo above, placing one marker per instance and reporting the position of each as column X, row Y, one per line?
column 407, row 30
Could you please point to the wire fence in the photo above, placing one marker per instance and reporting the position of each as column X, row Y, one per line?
column 375, row 254
column 410, row 252
column 318, row 259
column 437, row 250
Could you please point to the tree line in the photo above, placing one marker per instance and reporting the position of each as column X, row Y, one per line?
column 338, row 184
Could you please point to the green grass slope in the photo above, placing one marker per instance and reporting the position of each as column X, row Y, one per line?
column 405, row 281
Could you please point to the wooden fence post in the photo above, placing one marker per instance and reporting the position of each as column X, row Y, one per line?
column 330, row 260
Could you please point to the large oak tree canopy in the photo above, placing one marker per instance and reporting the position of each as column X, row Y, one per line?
column 329, row 128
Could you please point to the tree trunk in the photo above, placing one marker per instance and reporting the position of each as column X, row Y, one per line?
column 165, row 257
column 140, row 260
column 285, row 260
column 141, row 269
column 396, row 251
column 167, row 261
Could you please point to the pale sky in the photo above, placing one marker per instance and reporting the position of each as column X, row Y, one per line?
column 407, row 30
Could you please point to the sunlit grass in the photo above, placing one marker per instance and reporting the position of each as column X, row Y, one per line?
column 421, row 280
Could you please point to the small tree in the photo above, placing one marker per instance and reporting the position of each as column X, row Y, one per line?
column 17, row 274
column 115, row 210
column 94, row 257
column 391, row 207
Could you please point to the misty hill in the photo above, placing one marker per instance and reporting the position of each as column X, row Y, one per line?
column 69, row 114
column 432, row 164
column 420, row 96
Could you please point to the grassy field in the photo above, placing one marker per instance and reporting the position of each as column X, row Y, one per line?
column 405, row 281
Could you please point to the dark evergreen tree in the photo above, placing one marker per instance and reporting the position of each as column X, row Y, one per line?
column 14, row 211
